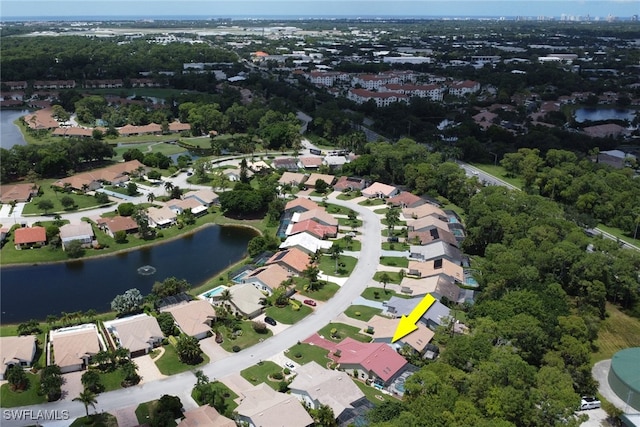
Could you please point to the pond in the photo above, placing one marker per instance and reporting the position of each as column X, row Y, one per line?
column 10, row 134
column 600, row 114
column 36, row 291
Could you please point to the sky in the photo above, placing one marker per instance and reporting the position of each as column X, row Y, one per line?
column 310, row 8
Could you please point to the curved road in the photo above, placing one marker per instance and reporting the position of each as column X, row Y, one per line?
column 182, row 384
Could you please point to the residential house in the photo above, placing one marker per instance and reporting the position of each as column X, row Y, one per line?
column 41, row 119
column 436, row 267
column 177, row 127
column 150, row 129
column 267, row 278
column 206, row 197
column 426, row 223
column 405, row 199
column 258, row 166
column 437, row 315
column 306, row 242
column 384, row 328
column 16, row 351
column 292, row 178
column 262, row 406
column 300, row 204
column 161, row 217
column 438, row 285
column 431, row 234
column 422, row 211
column 380, row 191
column 233, row 174
column 18, row 193
column 288, row 164
column 178, row 206
column 350, row 184
column 194, row 318
column 314, row 177
column 311, row 162
column 74, row 347
column 377, row 362
column 117, row 223
column 139, row 334
column 30, row 237
column 82, row 232
column 205, row 416
column 315, row 385
column 312, row 227
column 319, row 215
column 294, row 260
column 436, row 250
column 92, row 180
column 335, row 162
column 246, row 299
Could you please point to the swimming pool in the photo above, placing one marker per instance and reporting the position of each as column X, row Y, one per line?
column 214, row 292
column 241, row 276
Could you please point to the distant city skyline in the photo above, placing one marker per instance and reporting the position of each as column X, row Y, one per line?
column 205, row 9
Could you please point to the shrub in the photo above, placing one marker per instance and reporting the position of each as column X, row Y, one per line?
column 287, row 371
column 277, row 375
column 235, row 349
column 259, row 327
column 357, row 314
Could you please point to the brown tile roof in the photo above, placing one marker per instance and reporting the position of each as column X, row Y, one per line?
column 307, row 204
column 14, row 349
column 71, row 346
column 311, row 162
column 113, row 173
column 265, row 407
column 194, row 317
column 314, row 228
column 28, row 235
column 431, row 235
column 292, row 178
column 205, row 416
column 17, row 192
column 311, row 181
column 41, row 119
column 379, row 358
column 423, row 210
column 118, row 223
column 272, row 275
column 436, row 267
column 146, row 129
column 378, row 188
column 349, row 183
column 319, row 215
column 294, row 258
column 406, row 199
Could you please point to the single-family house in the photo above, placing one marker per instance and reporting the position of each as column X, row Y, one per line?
column 92, row 180
column 234, row 174
column 16, row 351
column 335, row 162
column 424, row 237
column 205, row 196
column 262, row 406
column 306, row 242
column 292, row 178
column 194, row 318
column 176, row 127
column 315, row 385
column 74, row 347
column 435, row 267
column 139, row 334
column 440, row 286
column 82, row 232
column 205, row 416
column 384, row 328
column 405, row 199
column 319, row 215
column 267, row 278
column 288, row 164
column 258, row 166
column 346, row 183
column 161, row 217
column 311, row 162
column 246, row 299
column 18, row 193
column 426, row 223
column 178, row 206
column 117, row 223
column 30, row 237
column 422, row 211
column 300, row 204
column 377, row 362
column 435, row 250
column 380, row 191
column 312, row 227
column 437, row 315
column 315, row 177
column 294, row 260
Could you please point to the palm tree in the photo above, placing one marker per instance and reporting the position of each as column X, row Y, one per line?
column 91, row 381
column 311, row 273
column 385, row 279
column 335, row 252
column 225, row 296
column 87, row 398
column 168, row 186
column 151, row 197
column 189, row 350
column 348, row 238
column 393, row 217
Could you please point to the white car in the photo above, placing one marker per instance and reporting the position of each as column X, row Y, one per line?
column 589, row 403
column 289, row 365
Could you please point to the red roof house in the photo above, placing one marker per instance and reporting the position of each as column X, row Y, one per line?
column 30, row 237
column 376, row 361
column 407, row 200
column 314, row 228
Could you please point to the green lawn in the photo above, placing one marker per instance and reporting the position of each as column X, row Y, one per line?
column 229, row 405
column 343, row 331
column 304, row 353
column 387, row 246
column 103, row 419
column 326, row 291
column 617, row 331
column 346, row 264
column 372, row 394
column 365, row 312
column 499, row 172
column 335, row 209
column 393, row 276
column 170, row 364
column 248, row 338
column 355, row 245
column 346, row 222
column 144, row 410
column 383, row 295
column 381, row 210
column 373, row 202
column 349, row 195
column 82, row 201
column 384, row 222
column 393, row 261
column 29, row 396
column 111, row 380
column 397, row 232
column 288, row 315
column 261, row 373
column 619, row 234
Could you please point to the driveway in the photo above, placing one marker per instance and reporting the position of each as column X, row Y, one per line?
column 213, row 349
column 72, row 385
column 147, row 369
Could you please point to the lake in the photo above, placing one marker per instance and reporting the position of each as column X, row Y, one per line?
column 598, row 114
column 36, row 291
column 10, row 134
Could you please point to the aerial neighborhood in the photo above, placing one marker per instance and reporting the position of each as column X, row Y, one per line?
column 320, row 223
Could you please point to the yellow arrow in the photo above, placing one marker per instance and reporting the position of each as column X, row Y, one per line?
column 408, row 323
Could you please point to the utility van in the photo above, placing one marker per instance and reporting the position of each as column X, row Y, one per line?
column 589, row 403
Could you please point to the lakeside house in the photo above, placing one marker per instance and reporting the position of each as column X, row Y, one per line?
column 319, row 215
column 314, row 228
column 117, row 223
column 268, row 278
column 300, row 204
column 82, row 232
column 194, row 318
column 306, row 242
column 246, row 299
column 73, row 347
column 16, row 351
column 30, row 237
column 139, row 334
column 161, row 217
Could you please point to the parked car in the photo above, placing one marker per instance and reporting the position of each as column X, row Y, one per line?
column 289, row 365
column 589, row 403
column 270, row 321
column 310, row 302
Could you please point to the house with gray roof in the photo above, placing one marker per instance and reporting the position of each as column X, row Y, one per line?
column 436, row 250
column 435, row 316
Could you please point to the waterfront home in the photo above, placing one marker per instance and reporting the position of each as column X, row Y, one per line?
column 161, row 217
column 376, row 362
column 73, row 347
column 268, row 278
column 262, row 406
column 306, row 242
column 117, row 223
column 194, row 318
column 312, row 227
column 246, row 299
column 139, row 334
column 294, row 260
column 300, row 204
column 205, row 415
column 30, row 237
column 206, row 197
column 178, row 206
column 319, row 215
column 16, row 351
column 82, row 232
